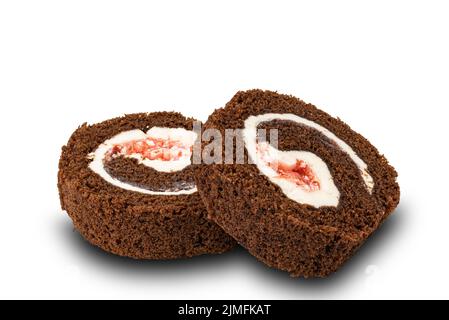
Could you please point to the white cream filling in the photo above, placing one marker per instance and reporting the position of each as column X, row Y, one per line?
column 185, row 137
column 182, row 135
column 328, row 194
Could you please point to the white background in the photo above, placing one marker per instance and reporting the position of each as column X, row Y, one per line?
column 382, row 66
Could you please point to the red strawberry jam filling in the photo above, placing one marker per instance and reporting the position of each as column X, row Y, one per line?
column 299, row 173
column 152, row 149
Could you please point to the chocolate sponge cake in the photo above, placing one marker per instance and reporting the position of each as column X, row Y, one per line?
column 308, row 191
column 127, row 184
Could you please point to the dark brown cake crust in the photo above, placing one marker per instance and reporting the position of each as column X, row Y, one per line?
column 129, row 223
column 130, row 171
column 298, row 238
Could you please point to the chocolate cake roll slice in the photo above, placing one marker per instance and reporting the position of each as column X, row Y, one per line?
column 307, row 190
column 128, row 186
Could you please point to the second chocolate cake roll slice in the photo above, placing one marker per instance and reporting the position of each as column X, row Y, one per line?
column 303, row 192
